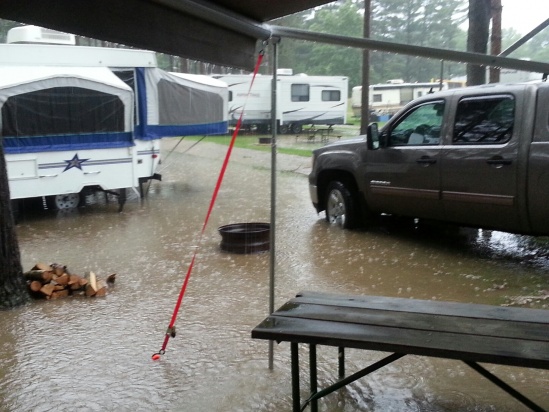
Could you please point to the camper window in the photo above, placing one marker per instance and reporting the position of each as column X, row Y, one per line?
column 331, row 95
column 300, row 92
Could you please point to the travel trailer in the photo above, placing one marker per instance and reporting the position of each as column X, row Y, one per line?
column 301, row 100
column 76, row 119
column 387, row 98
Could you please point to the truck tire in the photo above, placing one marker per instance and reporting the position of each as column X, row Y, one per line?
column 341, row 207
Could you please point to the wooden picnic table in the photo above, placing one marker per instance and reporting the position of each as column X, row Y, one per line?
column 471, row 333
column 324, row 132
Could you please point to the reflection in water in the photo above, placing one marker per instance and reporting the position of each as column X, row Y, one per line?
column 94, row 354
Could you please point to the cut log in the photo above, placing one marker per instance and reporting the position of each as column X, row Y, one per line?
column 61, row 280
column 35, row 285
column 38, row 274
column 58, row 269
column 101, row 289
column 47, row 276
column 47, row 289
column 91, row 287
column 90, row 291
column 74, row 282
column 42, row 266
column 111, row 278
column 34, row 274
column 59, row 294
column 92, row 280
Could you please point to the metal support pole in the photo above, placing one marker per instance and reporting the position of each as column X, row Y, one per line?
column 524, row 39
column 272, row 257
column 351, row 378
column 313, row 376
column 296, row 407
column 498, row 382
column 341, row 362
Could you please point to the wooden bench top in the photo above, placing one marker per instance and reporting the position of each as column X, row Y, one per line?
column 469, row 332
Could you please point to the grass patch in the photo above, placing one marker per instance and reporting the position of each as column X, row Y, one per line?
column 252, row 142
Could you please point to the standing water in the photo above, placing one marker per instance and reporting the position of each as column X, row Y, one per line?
column 86, row 354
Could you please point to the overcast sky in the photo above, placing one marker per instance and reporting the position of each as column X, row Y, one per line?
column 524, row 15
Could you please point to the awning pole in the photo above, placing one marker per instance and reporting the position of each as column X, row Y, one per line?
column 274, row 125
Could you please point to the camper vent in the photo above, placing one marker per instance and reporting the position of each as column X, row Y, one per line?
column 285, row 72
column 35, row 34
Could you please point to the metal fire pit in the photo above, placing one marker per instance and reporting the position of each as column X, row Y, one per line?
column 245, row 237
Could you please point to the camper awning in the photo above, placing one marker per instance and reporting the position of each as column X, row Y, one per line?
column 223, row 32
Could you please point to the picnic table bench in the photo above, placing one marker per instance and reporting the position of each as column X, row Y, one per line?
column 323, row 132
column 471, row 333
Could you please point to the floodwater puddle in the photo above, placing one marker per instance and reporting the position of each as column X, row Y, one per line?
column 95, row 354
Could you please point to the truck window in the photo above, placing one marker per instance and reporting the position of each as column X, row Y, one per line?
column 420, row 126
column 484, row 120
column 300, row 92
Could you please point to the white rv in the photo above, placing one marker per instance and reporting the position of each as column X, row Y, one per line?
column 301, row 100
column 387, row 98
column 79, row 118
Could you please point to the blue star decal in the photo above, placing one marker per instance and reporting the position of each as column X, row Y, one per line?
column 75, row 162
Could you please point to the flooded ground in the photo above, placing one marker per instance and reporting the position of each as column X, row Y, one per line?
column 95, row 354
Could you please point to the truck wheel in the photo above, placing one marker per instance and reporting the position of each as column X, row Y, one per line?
column 65, row 201
column 341, row 208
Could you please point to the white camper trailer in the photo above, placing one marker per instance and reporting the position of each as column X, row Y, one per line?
column 301, row 100
column 115, row 107
column 387, row 98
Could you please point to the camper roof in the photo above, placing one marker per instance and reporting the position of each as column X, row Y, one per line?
column 61, row 55
column 11, row 76
column 201, row 79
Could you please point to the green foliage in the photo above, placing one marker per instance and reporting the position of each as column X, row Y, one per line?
column 536, row 49
column 433, row 23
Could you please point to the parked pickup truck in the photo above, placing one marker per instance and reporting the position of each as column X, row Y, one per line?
column 477, row 156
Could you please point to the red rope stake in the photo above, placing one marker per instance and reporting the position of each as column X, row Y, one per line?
column 170, row 332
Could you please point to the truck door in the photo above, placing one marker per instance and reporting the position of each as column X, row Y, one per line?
column 479, row 166
column 537, row 181
column 403, row 177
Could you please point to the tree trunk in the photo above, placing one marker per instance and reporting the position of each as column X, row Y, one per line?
column 495, row 38
column 365, row 109
column 477, row 38
column 13, row 291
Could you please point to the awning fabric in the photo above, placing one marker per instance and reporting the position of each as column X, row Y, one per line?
column 223, row 32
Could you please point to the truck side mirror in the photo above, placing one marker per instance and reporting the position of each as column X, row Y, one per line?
column 372, row 136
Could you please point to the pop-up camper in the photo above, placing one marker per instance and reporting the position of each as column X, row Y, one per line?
column 66, row 128
column 75, row 118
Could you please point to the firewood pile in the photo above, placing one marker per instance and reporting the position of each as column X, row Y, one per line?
column 55, row 281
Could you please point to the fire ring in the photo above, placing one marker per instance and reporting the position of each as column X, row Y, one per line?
column 245, row 237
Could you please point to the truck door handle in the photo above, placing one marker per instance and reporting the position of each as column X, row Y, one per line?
column 426, row 160
column 498, row 161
